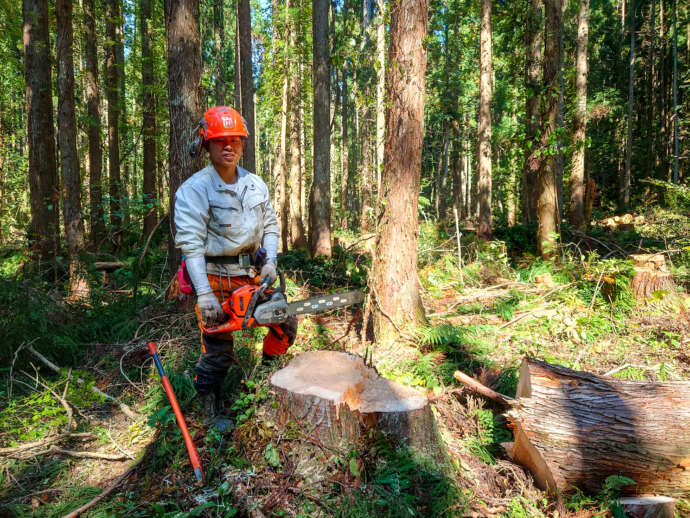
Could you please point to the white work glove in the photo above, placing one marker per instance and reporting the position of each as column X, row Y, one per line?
column 268, row 271
column 209, row 307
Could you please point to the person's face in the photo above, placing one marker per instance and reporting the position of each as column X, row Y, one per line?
column 225, row 152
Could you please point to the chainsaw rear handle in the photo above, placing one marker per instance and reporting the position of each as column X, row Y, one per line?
column 252, row 302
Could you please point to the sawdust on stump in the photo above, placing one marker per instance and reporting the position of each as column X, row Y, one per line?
column 337, row 399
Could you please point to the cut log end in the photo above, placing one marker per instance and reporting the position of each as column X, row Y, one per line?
column 337, row 397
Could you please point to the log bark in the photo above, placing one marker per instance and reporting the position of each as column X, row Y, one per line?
column 338, row 399
column 574, row 429
column 651, row 275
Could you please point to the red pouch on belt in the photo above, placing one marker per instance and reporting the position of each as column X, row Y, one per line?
column 184, row 281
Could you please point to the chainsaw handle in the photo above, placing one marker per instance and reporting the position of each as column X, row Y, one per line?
column 252, row 303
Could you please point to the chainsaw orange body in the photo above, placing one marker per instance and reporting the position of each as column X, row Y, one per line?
column 236, row 307
column 252, row 305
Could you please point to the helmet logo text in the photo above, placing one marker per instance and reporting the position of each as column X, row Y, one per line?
column 228, row 122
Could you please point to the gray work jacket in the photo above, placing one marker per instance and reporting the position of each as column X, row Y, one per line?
column 214, row 218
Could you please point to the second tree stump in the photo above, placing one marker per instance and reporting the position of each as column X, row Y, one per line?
column 651, row 274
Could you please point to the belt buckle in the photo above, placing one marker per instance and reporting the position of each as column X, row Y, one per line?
column 244, row 260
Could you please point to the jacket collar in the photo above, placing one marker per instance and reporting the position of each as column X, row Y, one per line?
column 220, row 185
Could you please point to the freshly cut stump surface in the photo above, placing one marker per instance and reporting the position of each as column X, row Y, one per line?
column 574, row 428
column 336, row 398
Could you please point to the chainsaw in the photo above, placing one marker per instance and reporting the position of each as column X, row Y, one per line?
column 252, row 305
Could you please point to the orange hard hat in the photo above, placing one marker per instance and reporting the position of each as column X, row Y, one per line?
column 219, row 121
column 222, row 121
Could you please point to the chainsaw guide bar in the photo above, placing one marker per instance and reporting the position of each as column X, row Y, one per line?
column 323, row 303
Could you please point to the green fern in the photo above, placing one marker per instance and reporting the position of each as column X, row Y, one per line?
column 444, row 334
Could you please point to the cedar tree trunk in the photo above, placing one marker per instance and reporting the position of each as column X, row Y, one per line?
column 93, row 109
column 295, row 214
column 320, row 195
column 533, row 67
column 484, row 126
column 244, row 24
column 219, row 40
column 394, row 281
column 380, row 92
column 43, row 189
column 280, row 165
column 577, row 188
column 149, row 117
column 67, row 140
column 345, row 149
column 112, row 88
column 547, row 195
column 624, row 200
column 184, row 92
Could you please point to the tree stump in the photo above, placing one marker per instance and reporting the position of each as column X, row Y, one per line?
column 651, row 274
column 337, row 399
column 574, row 429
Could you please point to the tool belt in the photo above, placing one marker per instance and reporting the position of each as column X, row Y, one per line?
column 243, row 260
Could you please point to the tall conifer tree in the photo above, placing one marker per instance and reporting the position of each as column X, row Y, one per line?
column 320, row 198
column 67, row 140
column 43, row 185
column 394, row 283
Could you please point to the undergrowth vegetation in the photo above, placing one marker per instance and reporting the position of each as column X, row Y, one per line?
column 486, row 310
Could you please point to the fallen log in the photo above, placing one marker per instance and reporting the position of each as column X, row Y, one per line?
column 574, row 429
column 337, row 399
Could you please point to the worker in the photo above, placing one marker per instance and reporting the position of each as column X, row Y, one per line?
column 223, row 216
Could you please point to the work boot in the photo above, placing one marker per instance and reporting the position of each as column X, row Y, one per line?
column 267, row 359
column 211, row 411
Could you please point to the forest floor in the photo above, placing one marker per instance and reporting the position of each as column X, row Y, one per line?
column 62, row 445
